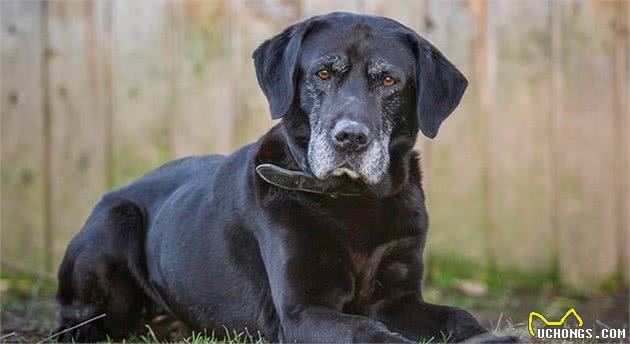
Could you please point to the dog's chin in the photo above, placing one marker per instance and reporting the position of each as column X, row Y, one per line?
column 348, row 173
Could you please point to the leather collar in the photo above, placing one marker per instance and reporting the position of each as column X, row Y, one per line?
column 300, row 181
column 303, row 180
column 299, row 158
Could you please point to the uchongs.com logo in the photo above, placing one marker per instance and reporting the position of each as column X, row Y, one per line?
column 557, row 330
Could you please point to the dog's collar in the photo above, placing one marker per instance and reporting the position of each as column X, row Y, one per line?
column 302, row 180
column 299, row 158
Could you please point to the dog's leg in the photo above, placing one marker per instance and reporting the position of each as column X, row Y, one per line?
column 311, row 280
column 94, row 277
column 418, row 320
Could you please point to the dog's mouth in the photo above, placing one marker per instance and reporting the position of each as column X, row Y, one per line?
column 340, row 171
column 344, row 169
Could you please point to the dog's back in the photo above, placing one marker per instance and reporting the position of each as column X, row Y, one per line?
column 153, row 188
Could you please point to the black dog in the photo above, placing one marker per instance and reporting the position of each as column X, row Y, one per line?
column 314, row 233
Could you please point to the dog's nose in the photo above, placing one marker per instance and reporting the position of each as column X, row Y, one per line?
column 351, row 135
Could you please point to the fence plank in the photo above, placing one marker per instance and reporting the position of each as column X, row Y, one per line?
column 519, row 135
column 409, row 13
column 587, row 241
column 204, row 109
column 621, row 95
column 22, row 145
column 625, row 232
column 77, row 121
column 143, row 87
column 316, row 7
column 619, row 13
column 455, row 187
column 254, row 22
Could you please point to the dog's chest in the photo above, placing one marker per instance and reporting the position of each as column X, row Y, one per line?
column 382, row 271
column 365, row 267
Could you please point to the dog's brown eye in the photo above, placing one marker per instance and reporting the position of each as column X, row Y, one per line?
column 323, row 74
column 389, row 81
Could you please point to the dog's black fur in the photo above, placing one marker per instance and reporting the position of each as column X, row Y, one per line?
column 209, row 242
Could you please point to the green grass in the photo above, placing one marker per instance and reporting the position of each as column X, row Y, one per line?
column 243, row 338
column 446, row 272
column 230, row 337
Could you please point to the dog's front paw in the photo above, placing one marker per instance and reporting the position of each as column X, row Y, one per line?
column 378, row 334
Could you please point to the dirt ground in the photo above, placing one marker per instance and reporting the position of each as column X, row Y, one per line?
column 26, row 314
column 28, row 311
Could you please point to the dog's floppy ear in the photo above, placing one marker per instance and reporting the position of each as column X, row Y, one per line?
column 440, row 86
column 276, row 68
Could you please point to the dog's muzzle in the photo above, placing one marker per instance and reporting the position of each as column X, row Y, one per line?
column 303, row 180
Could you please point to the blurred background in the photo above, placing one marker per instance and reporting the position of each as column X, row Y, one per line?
column 527, row 184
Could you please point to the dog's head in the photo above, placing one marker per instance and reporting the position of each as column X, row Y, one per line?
column 354, row 90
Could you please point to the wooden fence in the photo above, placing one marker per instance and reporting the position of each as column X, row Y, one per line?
column 530, row 173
